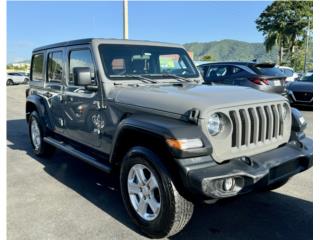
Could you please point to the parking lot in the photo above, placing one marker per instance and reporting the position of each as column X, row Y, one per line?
column 63, row 198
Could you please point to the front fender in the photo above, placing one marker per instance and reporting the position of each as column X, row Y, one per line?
column 40, row 105
column 165, row 128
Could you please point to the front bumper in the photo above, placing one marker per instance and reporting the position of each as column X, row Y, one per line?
column 249, row 174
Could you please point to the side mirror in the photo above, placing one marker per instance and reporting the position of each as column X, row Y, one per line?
column 82, row 76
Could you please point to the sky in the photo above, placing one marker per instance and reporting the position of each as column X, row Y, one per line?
column 33, row 24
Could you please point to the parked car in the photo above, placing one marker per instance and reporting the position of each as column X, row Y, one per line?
column 138, row 109
column 290, row 74
column 16, row 78
column 262, row 76
column 301, row 92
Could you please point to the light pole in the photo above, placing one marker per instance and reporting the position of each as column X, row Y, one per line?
column 125, row 19
column 306, row 48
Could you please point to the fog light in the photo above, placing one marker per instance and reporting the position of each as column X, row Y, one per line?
column 228, row 184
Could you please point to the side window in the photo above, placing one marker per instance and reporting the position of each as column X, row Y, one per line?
column 235, row 70
column 79, row 58
column 216, row 72
column 54, row 67
column 37, row 67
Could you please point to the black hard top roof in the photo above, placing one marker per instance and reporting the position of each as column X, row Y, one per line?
column 104, row 40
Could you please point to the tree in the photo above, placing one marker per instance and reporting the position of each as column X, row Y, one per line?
column 207, row 58
column 284, row 25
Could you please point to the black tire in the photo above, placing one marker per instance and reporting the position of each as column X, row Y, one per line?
column 175, row 211
column 44, row 149
column 25, row 81
column 10, row 82
column 276, row 185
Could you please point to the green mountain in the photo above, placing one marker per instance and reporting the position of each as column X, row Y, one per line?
column 231, row 50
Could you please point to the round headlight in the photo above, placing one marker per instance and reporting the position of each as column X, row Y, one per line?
column 214, row 124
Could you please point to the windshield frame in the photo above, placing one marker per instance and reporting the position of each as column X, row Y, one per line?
column 157, row 76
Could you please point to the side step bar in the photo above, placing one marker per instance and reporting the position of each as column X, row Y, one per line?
column 74, row 152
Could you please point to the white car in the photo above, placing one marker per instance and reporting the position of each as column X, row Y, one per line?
column 16, row 78
column 289, row 73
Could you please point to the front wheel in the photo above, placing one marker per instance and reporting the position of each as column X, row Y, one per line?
column 151, row 199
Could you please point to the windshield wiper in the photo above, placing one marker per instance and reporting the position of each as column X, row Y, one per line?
column 139, row 77
column 179, row 78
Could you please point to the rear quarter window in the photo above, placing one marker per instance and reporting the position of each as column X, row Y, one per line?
column 37, row 67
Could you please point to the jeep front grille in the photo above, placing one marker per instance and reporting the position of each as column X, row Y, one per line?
column 256, row 124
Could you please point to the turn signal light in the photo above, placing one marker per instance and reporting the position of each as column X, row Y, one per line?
column 183, row 144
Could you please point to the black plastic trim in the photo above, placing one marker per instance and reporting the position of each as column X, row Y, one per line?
column 197, row 171
column 80, row 155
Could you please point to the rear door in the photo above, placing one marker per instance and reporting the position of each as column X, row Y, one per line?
column 238, row 75
column 54, row 85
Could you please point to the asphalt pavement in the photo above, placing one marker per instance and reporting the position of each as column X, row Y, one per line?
column 64, row 198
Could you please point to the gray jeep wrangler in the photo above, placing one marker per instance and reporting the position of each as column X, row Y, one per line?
column 140, row 110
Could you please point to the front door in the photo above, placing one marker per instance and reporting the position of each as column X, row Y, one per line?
column 82, row 111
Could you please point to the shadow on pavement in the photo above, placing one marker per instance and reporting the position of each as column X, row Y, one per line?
column 269, row 215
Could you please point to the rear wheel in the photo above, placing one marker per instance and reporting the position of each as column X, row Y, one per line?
column 151, row 199
column 9, row 82
column 36, row 133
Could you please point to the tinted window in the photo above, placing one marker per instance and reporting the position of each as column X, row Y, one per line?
column 234, row 70
column 120, row 61
column 37, row 67
column 203, row 70
column 79, row 58
column 216, row 72
column 267, row 69
column 55, row 63
column 307, row 78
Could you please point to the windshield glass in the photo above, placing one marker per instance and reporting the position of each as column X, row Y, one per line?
column 287, row 72
column 307, row 78
column 127, row 61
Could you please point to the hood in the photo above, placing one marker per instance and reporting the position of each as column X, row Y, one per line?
column 180, row 100
column 300, row 86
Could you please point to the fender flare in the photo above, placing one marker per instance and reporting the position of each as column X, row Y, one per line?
column 41, row 107
column 164, row 128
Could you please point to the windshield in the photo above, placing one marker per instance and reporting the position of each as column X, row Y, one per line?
column 127, row 61
column 307, row 78
column 287, row 72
